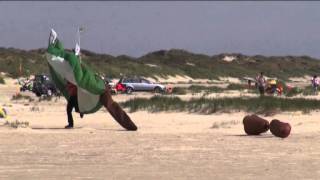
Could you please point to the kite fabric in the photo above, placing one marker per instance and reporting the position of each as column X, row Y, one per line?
column 65, row 66
column 92, row 93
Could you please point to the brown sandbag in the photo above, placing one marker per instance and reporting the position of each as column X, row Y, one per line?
column 280, row 129
column 254, row 125
column 117, row 112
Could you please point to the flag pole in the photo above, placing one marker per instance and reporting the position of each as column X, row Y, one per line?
column 79, row 43
column 79, row 36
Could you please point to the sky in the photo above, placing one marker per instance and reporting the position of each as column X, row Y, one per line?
column 136, row 28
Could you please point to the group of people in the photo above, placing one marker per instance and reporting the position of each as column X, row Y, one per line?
column 261, row 84
column 271, row 86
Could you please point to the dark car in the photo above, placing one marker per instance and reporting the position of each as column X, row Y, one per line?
column 42, row 85
column 141, row 84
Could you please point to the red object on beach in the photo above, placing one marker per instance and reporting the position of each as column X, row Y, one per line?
column 279, row 89
column 120, row 87
column 254, row 125
column 280, row 129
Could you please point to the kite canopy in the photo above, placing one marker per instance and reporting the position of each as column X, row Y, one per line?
column 65, row 66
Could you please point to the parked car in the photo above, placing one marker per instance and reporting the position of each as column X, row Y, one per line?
column 42, row 85
column 139, row 84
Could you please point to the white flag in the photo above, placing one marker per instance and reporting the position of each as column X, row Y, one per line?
column 77, row 50
column 53, row 36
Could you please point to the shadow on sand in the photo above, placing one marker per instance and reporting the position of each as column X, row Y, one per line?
column 253, row 136
column 53, row 128
column 76, row 128
column 106, row 129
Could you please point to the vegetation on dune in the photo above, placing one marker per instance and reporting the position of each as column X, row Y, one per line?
column 17, row 124
column 193, row 89
column 293, row 92
column 2, row 81
column 209, row 89
column 307, row 91
column 196, row 89
column 233, row 86
column 206, row 89
column 225, row 124
column 19, row 96
column 209, row 106
column 166, row 62
column 32, row 62
column 179, row 90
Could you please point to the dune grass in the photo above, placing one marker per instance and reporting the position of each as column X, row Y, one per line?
column 225, row 124
column 293, row 92
column 179, row 90
column 17, row 124
column 209, row 106
column 21, row 97
column 210, row 89
column 166, row 63
column 233, row 86
column 2, row 81
column 198, row 89
column 193, row 89
column 308, row 91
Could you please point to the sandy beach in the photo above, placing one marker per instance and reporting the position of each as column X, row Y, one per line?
column 168, row 145
column 192, row 77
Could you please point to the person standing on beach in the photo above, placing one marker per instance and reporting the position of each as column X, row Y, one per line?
column 315, row 84
column 261, row 82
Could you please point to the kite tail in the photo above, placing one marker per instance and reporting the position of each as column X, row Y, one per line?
column 117, row 112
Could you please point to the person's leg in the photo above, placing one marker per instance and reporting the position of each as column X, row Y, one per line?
column 76, row 106
column 70, row 106
column 261, row 90
column 274, row 89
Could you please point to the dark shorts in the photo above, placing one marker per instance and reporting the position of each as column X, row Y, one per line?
column 261, row 89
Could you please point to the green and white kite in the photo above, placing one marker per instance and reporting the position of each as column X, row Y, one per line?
column 92, row 93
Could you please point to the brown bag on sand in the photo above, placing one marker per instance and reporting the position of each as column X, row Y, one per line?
column 280, row 129
column 254, row 125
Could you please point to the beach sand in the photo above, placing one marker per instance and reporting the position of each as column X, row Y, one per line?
column 167, row 145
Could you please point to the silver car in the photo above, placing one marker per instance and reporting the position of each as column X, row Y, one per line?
column 141, row 84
